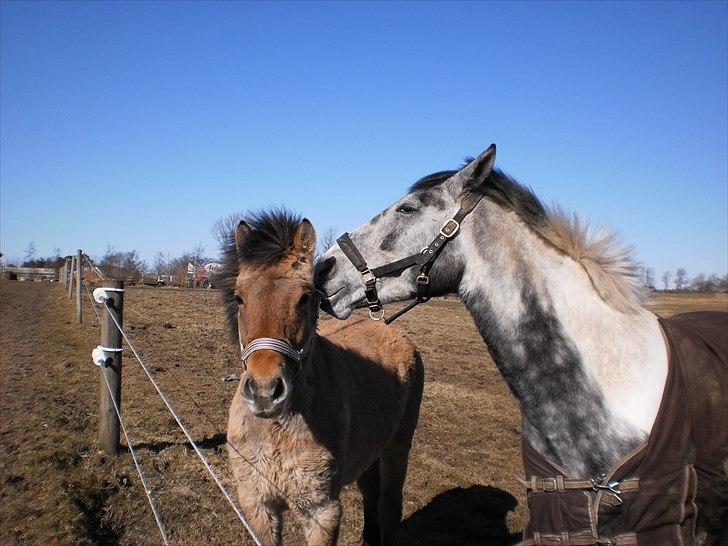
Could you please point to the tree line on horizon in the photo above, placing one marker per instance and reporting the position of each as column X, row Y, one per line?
column 679, row 281
column 129, row 265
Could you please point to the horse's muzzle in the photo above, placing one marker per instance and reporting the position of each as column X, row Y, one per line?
column 265, row 398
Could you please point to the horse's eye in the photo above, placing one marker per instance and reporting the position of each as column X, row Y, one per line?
column 406, row 209
column 238, row 299
column 304, row 300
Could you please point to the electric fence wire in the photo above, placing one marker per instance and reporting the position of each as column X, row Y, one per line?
column 145, row 484
column 93, row 303
column 185, row 430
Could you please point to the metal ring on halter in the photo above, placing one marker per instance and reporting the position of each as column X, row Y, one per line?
column 377, row 317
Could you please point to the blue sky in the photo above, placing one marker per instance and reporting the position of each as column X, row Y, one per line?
column 139, row 124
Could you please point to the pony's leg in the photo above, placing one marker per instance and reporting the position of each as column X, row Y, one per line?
column 265, row 519
column 369, row 486
column 392, row 473
column 394, row 459
column 322, row 524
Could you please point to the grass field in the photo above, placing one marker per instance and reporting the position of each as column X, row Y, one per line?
column 56, row 488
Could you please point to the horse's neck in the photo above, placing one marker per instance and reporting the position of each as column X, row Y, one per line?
column 588, row 378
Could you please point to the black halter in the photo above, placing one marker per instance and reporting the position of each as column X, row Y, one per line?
column 423, row 260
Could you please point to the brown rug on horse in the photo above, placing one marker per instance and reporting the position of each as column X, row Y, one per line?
column 673, row 489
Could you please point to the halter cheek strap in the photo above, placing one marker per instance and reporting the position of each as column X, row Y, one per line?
column 423, row 260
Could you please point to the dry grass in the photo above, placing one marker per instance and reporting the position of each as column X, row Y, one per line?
column 57, row 489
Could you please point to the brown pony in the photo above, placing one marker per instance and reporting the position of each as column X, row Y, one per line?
column 324, row 408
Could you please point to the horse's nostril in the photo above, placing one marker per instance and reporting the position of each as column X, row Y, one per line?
column 279, row 389
column 247, row 389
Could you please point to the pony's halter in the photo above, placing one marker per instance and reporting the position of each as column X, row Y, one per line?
column 423, row 260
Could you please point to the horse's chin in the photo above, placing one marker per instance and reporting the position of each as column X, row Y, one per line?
column 341, row 311
column 339, row 306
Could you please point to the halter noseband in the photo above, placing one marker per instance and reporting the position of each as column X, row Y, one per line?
column 277, row 345
column 423, row 260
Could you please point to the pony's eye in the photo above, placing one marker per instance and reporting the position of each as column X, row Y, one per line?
column 406, row 209
column 304, row 300
column 238, row 299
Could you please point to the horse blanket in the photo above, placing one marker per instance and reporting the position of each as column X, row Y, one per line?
column 673, row 489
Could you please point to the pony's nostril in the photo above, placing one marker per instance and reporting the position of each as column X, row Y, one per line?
column 247, row 389
column 279, row 389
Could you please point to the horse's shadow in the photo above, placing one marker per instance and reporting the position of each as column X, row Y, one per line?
column 472, row 515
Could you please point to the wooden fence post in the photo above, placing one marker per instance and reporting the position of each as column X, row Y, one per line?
column 70, row 277
column 111, row 338
column 79, row 288
column 62, row 274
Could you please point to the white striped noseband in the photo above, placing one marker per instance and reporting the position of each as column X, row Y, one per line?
column 272, row 344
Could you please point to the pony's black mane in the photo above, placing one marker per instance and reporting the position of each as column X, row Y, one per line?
column 269, row 237
column 499, row 188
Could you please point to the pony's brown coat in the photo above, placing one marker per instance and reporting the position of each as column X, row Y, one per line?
column 358, row 404
column 351, row 413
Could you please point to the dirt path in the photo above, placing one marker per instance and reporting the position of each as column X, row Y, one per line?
column 50, row 492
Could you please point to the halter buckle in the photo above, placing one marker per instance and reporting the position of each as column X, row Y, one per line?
column 450, row 228
column 374, row 316
column 367, row 276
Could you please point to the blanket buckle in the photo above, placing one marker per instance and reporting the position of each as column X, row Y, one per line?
column 612, row 486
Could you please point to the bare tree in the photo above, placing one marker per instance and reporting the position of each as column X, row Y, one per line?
column 698, row 282
column 122, row 265
column 197, row 256
column 161, row 263
column 325, row 241
column 723, row 283
column 30, row 252
column 223, row 230
column 681, row 278
column 712, row 283
column 666, row 276
column 650, row 277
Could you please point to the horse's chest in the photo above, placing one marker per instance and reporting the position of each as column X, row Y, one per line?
column 295, row 471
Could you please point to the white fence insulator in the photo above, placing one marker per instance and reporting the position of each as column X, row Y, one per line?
column 102, row 293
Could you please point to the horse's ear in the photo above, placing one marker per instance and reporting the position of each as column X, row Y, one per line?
column 476, row 172
column 304, row 238
column 241, row 233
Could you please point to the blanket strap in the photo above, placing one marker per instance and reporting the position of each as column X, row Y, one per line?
column 579, row 539
column 613, row 489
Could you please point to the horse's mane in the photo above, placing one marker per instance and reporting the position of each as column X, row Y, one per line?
column 605, row 258
column 269, row 238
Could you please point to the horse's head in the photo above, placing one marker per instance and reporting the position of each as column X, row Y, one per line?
column 405, row 228
column 270, row 299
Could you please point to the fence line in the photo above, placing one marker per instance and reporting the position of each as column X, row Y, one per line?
column 93, row 267
column 186, row 432
column 75, row 267
column 93, row 303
